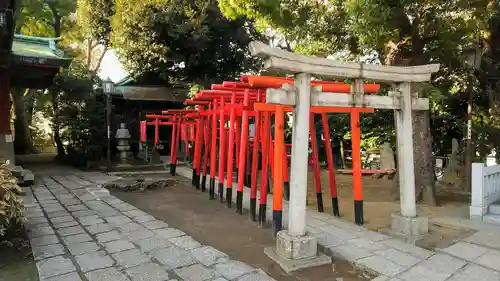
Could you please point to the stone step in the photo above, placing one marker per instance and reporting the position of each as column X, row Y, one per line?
column 17, row 171
column 492, row 218
column 28, row 177
column 495, row 208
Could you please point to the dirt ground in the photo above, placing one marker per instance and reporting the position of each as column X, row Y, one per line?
column 16, row 260
column 211, row 223
column 379, row 203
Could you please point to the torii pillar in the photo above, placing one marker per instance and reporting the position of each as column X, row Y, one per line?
column 295, row 249
column 6, row 139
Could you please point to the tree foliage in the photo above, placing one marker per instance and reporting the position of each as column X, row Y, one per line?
column 94, row 29
column 47, row 18
column 93, row 17
column 400, row 32
column 76, row 108
column 180, row 41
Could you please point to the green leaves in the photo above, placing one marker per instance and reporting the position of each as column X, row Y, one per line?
column 180, row 41
column 93, row 18
column 37, row 17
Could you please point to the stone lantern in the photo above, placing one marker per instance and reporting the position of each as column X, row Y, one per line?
column 123, row 136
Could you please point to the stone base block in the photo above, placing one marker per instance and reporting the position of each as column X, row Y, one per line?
column 289, row 265
column 407, row 226
column 296, row 247
column 477, row 212
column 296, row 252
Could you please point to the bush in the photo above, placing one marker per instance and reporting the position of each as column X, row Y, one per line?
column 11, row 204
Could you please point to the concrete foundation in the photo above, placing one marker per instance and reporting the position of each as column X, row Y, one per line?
column 296, row 252
column 409, row 226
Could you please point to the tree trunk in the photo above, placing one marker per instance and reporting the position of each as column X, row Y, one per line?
column 101, row 57
column 422, row 153
column 56, row 127
column 22, row 140
column 57, row 138
column 29, row 102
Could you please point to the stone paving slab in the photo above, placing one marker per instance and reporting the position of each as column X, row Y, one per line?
column 392, row 259
column 78, row 236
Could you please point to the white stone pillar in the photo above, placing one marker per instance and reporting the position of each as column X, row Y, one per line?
column 406, row 171
column 300, row 145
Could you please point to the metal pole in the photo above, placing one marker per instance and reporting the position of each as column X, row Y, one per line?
column 108, row 123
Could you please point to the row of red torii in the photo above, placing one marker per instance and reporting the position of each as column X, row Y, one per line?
column 237, row 102
column 219, row 126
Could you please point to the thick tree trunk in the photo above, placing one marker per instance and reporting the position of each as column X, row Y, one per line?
column 61, row 152
column 22, row 140
column 29, row 102
column 60, row 147
column 101, row 57
column 422, row 153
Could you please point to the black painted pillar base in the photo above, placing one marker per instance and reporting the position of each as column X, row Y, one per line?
column 229, row 197
column 249, row 180
column 335, row 207
column 262, row 214
column 239, row 202
column 221, row 192
column 358, row 212
column 211, row 190
column 253, row 209
column 319, row 197
column 172, row 169
column 286, row 191
column 277, row 221
column 193, row 178
column 203, row 183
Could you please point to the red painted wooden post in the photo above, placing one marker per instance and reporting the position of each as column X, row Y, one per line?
column 331, row 169
column 279, row 148
column 206, row 130
column 230, row 153
column 197, row 151
column 172, row 149
column 242, row 158
column 157, row 133
column 265, row 167
column 213, row 149
column 356, row 168
column 254, row 172
column 315, row 160
column 222, row 150
column 238, row 142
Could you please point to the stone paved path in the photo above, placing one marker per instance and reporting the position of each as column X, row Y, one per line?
column 394, row 260
column 79, row 232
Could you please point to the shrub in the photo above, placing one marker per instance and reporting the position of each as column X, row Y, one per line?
column 11, row 204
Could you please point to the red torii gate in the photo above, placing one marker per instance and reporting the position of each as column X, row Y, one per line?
column 250, row 89
column 175, row 118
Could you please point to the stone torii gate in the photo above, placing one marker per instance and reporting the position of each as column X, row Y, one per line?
column 294, row 249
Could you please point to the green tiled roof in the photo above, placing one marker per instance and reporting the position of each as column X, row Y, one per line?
column 37, row 50
column 124, row 81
